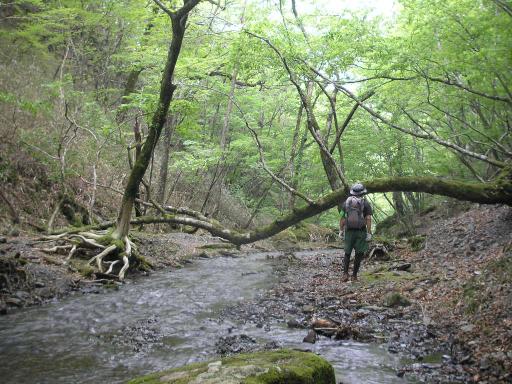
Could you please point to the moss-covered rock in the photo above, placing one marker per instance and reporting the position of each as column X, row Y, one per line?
column 304, row 231
column 270, row 367
column 395, row 299
column 82, row 267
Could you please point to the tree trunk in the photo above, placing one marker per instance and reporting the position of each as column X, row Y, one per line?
column 224, row 134
column 296, row 164
column 178, row 20
column 486, row 193
column 129, row 88
column 138, row 147
column 162, row 179
column 293, row 154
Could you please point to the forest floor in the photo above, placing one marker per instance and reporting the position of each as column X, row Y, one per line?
column 447, row 308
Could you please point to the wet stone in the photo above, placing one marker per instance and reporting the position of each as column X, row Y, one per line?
column 467, row 328
column 293, row 323
column 310, row 337
column 14, row 301
column 230, row 345
column 308, row 309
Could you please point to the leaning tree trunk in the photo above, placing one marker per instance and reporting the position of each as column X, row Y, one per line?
column 499, row 192
column 178, row 20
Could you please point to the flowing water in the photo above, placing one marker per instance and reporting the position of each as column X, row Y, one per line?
column 167, row 320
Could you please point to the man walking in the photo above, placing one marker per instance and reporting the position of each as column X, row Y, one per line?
column 356, row 221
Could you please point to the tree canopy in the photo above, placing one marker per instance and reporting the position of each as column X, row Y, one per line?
column 266, row 109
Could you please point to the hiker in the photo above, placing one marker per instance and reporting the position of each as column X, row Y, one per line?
column 356, row 222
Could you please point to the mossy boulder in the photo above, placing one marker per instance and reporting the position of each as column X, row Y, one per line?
column 285, row 240
column 268, row 367
column 395, row 299
column 311, row 232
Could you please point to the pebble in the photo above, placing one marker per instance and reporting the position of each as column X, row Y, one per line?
column 14, row 301
column 467, row 328
column 484, row 364
column 308, row 309
column 293, row 324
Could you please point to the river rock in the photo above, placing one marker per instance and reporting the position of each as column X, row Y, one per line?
column 230, row 345
column 14, row 301
column 310, row 337
column 322, row 323
column 3, row 308
column 484, row 363
column 293, row 323
column 373, row 308
column 400, row 267
column 467, row 328
column 308, row 309
column 283, row 366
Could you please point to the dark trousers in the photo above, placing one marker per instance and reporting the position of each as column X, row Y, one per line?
column 355, row 239
column 357, row 262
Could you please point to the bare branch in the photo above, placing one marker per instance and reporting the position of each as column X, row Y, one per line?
column 164, row 8
column 457, row 84
column 347, row 120
column 312, row 124
column 426, row 135
column 290, row 189
column 237, row 82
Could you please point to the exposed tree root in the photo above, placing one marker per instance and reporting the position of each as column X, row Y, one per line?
column 111, row 252
column 71, row 253
column 87, row 242
column 55, row 249
column 99, row 257
column 112, row 263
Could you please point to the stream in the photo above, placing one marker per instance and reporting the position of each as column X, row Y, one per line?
column 164, row 321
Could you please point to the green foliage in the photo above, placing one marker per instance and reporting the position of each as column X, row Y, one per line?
column 417, row 243
column 79, row 55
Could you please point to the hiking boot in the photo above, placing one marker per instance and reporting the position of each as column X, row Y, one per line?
column 353, row 278
column 344, row 278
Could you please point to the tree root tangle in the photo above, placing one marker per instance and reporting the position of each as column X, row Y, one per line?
column 111, row 252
